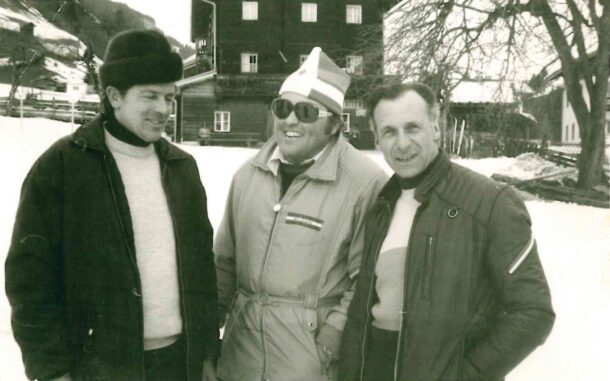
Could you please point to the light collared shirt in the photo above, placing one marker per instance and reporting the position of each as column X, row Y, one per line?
column 277, row 157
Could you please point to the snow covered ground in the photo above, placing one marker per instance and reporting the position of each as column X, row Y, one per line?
column 573, row 240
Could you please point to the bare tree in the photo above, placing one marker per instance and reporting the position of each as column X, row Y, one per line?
column 21, row 58
column 88, row 59
column 447, row 41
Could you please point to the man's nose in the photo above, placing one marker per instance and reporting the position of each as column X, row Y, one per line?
column 403, row 141
column 291, row 119
column 163, row 106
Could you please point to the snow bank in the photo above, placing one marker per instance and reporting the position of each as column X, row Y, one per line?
column 573, row 240
column 529, row 165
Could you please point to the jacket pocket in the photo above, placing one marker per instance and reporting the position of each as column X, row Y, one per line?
column 427, row 268
column 310, row 323
column 90, row 366
column 453, row 369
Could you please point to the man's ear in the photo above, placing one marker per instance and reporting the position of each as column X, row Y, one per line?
column 437, row 132
column 336, row 127
column 374, row 129
column 114, row 96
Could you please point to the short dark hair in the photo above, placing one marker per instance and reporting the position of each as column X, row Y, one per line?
column 105, row 106
column 394, row 91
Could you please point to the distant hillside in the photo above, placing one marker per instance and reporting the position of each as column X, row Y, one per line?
column 60, row 31
column 96, row 21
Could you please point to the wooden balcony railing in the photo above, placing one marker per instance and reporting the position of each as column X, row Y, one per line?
column 249, row 85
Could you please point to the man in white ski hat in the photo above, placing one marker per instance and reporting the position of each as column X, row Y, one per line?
column 288, row 249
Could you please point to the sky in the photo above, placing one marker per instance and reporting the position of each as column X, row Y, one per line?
column 173, row 17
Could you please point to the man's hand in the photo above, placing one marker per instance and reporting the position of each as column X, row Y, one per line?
column 209, row 371
column 325, row 356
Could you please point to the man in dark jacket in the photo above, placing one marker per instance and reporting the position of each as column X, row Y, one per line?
column 451, row 286
column 110, row 272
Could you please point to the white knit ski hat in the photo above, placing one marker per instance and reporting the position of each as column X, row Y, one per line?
column 319, row 79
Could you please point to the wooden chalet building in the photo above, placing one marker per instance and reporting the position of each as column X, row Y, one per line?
column 245, row 49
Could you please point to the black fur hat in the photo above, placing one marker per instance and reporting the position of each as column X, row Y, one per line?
column 139, row 57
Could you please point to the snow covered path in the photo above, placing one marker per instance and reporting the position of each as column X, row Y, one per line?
column 573, row 241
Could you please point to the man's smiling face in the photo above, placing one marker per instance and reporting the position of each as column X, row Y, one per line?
column 407, row 133
column 144, row 109
column 299, row 141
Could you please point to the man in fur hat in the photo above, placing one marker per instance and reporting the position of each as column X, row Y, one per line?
column 110, row 273
column 288, row 248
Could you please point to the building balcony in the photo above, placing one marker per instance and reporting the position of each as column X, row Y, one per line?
column 252, row 85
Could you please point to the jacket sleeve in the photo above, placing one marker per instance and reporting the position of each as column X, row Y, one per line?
column 212, row 348
column 520, row 284
column 33, row 276
column 224, row 251
column 331, row 331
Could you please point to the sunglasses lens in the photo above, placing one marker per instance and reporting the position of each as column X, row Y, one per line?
column 306, row 112
column 281, row 108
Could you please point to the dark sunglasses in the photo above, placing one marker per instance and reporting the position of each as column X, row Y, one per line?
column 306, row 112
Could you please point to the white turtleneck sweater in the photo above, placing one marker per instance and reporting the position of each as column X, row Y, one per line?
column 390, row 267
column 154, row 240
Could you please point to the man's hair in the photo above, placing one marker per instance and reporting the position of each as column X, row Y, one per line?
column 105, row 107
column 394, row 91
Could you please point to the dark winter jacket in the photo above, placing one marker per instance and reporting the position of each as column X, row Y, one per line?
column 476, row 301
column 71, row 272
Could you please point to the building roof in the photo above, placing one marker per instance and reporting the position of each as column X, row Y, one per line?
column 483, row 92
column 189, row 61
column 196, row 79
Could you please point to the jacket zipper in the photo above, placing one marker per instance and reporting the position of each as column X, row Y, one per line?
column 370, row 294
column 180, row 279
column 133, row 263
column 428, row 268
column 403, row 313
column 276, row 209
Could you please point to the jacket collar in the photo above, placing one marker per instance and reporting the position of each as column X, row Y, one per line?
column 91, row 136
column 391, row 191
column 324, row 168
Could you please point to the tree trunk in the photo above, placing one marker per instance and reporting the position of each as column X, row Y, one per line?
column 11, row 98
column 590, row 162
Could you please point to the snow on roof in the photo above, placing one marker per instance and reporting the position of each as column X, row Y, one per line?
column 12, row 20
column 189, row 60
column 202, row 77
column 483, row 92
column 53, row 38
column 6, row 21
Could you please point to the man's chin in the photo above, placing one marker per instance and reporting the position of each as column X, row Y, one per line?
column 291, row 155
column 152, row 138
column 406, row 173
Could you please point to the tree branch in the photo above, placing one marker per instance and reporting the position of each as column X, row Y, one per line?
column 542, row 9
column 579, row 39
